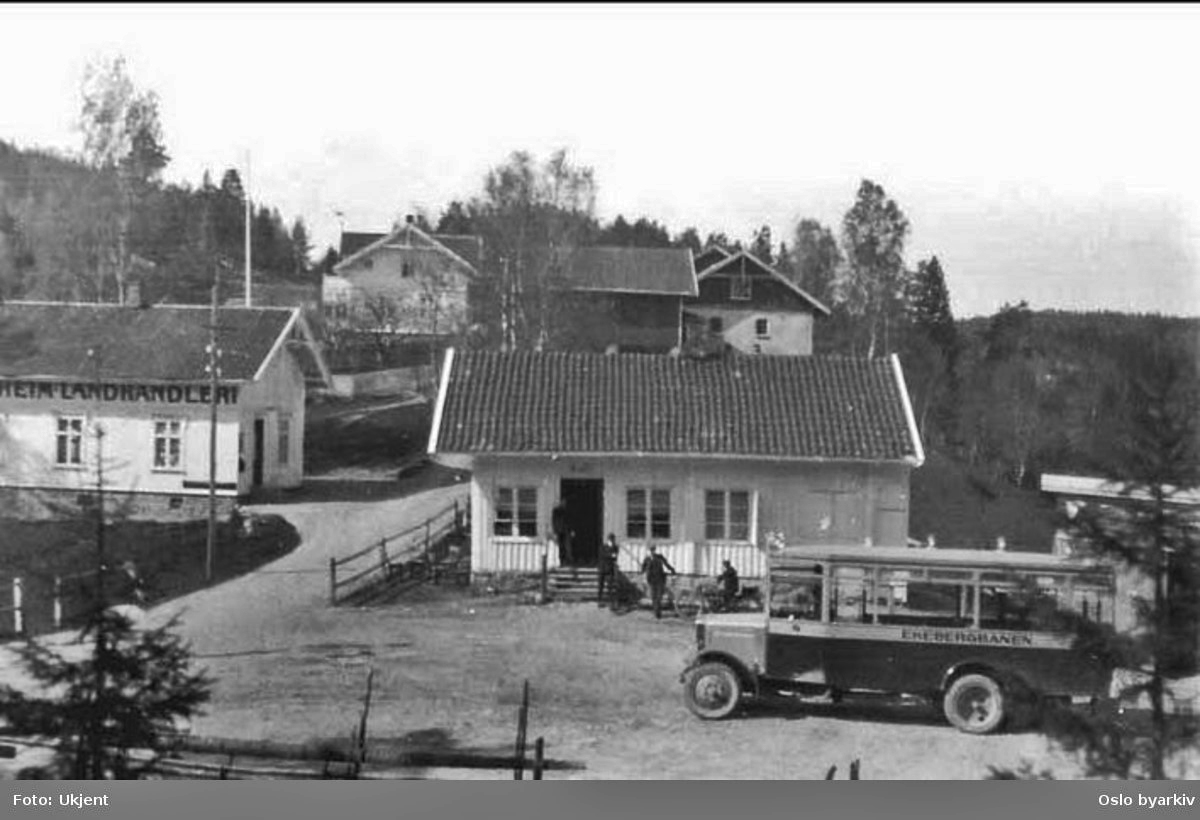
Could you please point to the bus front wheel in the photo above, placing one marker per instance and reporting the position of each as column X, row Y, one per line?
column 974, row 704
column 712, row 690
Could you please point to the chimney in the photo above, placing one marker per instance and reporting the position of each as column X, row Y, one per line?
column 409, row 219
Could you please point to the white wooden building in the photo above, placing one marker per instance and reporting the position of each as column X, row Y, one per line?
column 703, row 458
column 139, row 376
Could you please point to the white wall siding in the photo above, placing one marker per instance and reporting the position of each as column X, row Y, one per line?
column 690, row 558
column 515, row 555
column 789, row 333
column 809, row 502
column 28, row 432
column 279, row 392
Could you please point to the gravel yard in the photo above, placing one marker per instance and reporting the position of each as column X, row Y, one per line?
column 450, row 666
column 605, row 693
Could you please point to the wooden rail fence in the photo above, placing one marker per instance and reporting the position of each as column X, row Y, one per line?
column 12, row 617
column 418, row 553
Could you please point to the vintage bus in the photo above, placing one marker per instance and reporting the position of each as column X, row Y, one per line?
column 983, row 633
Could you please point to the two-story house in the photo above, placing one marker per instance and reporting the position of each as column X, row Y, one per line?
column 406, row 282
column 751, row 306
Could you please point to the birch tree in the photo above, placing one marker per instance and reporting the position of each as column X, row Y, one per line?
column 873, row 235
column 122, row 142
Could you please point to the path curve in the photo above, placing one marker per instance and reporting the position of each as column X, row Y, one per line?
column 269, row 606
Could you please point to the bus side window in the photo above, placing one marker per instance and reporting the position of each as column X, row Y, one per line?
column 850, row 594
column 796, row 595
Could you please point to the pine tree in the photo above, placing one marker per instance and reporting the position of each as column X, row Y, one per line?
column 1155, row 543
column 113, row 704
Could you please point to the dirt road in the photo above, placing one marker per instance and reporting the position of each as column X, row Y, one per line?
column 272, row 606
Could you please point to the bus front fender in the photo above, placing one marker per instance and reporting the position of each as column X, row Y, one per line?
column 748, row 677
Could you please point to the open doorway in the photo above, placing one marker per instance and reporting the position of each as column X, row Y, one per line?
column 584, row 500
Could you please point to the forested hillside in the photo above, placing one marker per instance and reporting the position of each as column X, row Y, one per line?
column 86, row 226
column 1004, row 397
column 1050, row 391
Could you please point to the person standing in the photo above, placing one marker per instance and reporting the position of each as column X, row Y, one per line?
column 728, row 579
column 562, row 532
column 609, row 553
column 656, row 567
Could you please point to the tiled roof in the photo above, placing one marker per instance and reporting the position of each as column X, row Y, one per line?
column 789, row 407
column 470, row 248
column 710, row 256
column 353, row 242
column 154, row 344
column 736, row 264
column 635, row 270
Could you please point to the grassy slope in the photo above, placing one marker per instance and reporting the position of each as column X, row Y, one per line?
column 170, row 558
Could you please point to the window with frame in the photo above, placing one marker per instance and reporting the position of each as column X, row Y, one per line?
column 727, row 515
column 647, row 513
column 762, row 328
column 284, row 442
column 516, row 512
column 168, row 444
column 68, row 450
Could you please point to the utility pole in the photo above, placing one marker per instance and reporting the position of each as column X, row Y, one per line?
column 94, row 355
column 100, row 657
column 214, row 374
column 247, row 301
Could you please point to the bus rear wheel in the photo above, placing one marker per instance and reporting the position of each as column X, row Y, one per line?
column 712, row 690
column 974, row 704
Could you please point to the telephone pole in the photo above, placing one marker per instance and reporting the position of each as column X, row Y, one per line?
column 101, row 604
column 247, row 301
column 214, row 374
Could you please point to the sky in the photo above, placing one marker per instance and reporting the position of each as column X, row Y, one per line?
column 1042, row 153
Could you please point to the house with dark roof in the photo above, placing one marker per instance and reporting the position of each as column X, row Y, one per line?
column 128, row 390
column 630, row 298
column 423, row 279
column 752, row 307
column 699, row 457
column 711, row 256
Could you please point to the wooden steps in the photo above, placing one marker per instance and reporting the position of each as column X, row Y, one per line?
column 573, row 583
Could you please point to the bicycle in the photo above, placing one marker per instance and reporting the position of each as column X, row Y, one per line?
column 684, row 603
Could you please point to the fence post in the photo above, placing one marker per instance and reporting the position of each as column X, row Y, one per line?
column 428, row 562
column 539, row 757
column 522, row 723
column 57, row 602
column 333, row 582
column 18, row 620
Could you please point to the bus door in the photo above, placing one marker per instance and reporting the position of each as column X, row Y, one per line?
column 795, row 603
column 858, row 654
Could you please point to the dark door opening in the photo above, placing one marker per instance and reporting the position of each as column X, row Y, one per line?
column 584, row 500
column 259, row 437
